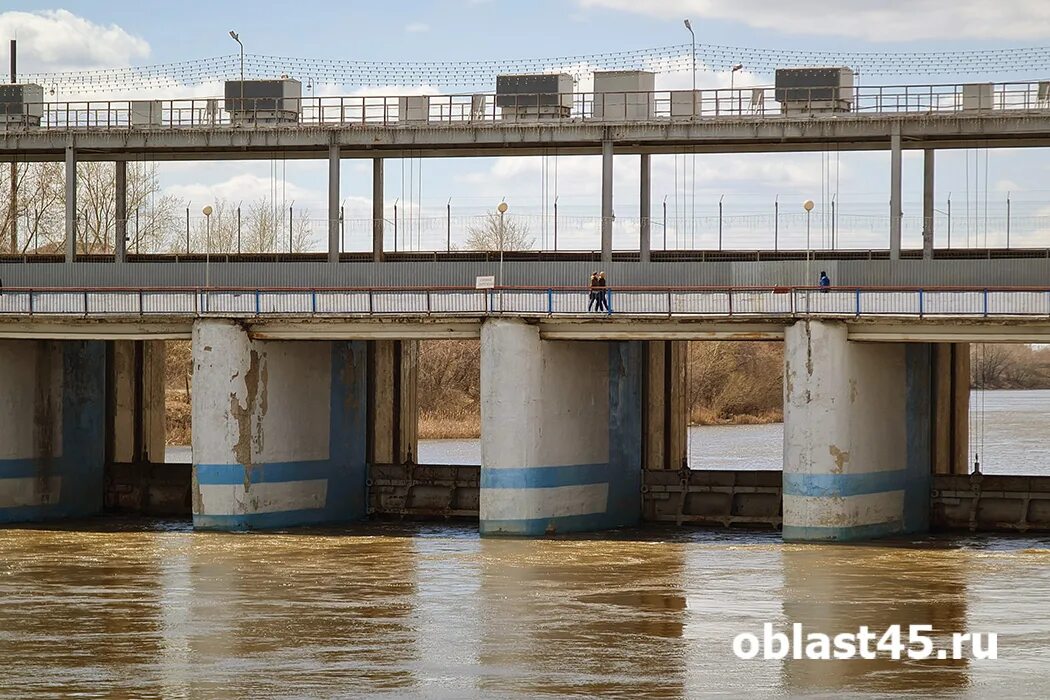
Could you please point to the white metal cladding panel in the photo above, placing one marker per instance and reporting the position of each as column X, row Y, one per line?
column 58, row 302
column 522, row 302
column 700, row 302
column 228, row 302
column 953, row 303
column 342, row 302
column 285, row 303
column 1019, row 303
column 892, row 303
column 638, row 303
column 14, row 303
column 764, row 302
column 458, row 302
column 113, row 302
column 399, row 302
column 830, row 302
column 169, row 302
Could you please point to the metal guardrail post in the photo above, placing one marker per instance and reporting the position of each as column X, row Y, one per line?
column 857, row 307
column 730, row 296
column 920, row 303
column 30, row 302
column 550, row 302
column 313, row 301
column 85, row 304
column 257, row 302
column 142, row 310
column 985, row 298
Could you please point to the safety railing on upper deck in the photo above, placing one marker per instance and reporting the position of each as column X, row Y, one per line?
column 790, row 302
column 416, row 110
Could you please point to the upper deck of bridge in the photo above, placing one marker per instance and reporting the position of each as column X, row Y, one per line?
column 744, row 119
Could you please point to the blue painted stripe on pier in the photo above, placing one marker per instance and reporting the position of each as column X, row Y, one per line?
column 795, row 533
column 836, row 485
column 544, row 477
column 268, row 472
column 24, row 468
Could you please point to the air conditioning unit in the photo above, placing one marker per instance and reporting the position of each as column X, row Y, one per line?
column 978, row 96
column 21, row 105
column 413, row 108
column 814, row 90
column 544, row 96
column 146, row 113
column 621, row 95
column 277, row 101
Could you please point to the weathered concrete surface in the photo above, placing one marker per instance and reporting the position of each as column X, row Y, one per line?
column 279, row 432
column 393, row 408
column 666, row 407
column 136, row 392
column 951, row 405
column 857, row 435
column 52, row 427
column 149, row 489
column 561, row 446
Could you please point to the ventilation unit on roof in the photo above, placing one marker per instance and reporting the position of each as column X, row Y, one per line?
column 534, row 96
column 21, row 105
column 278, row 101
column 814, row 90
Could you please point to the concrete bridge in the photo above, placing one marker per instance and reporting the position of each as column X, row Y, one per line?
column 298, row 393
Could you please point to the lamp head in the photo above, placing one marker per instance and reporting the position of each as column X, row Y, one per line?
column 502, row 208
column 737, row 67
column 808, row 205
column 235, row 36
column 207, row 210
column 688, row 25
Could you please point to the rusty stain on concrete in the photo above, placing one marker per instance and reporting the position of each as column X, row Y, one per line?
column 841, row 457
column 242, row 415
column 853, row 390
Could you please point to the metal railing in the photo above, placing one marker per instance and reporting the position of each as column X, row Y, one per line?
column 762, row 302
column 475, row 108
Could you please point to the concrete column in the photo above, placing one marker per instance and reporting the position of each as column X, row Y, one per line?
column 120, row 243
column 279, row 430
column 377, row 209
column 857, row 438
column 333, row 203
column 607, row 201
column 895, row 192
column 393, row 409
column 561, row 427
column 951, row 403
column 136, row 392
column 645, row 209
column 71, row 203
column 666, row 408
column 52, row 428
column 927, row 203
column 961, row 407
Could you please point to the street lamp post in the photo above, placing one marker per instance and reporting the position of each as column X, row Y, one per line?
column 808, row 206
column 237, row 37
column 207, row 245
column 732, row 87
column 502, row 209
column 689, row 26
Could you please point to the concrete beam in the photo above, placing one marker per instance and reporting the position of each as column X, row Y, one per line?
column 94, row 329
column 71, row 203
column 120, row 213
column 136, row 393
column 607, row 202
column 895, row 192
column 365, row 329
column 334, row 163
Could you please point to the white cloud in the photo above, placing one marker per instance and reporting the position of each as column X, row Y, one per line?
column 58, row 40
column 873, row 20
column 417, row 27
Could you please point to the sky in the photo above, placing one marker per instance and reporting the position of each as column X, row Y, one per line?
column 116, row 33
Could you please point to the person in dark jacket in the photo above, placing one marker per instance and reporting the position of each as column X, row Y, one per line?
column 825, row 281
column 592, row 299
column 603, row 301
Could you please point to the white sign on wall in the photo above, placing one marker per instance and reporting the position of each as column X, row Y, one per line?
column 485, row 282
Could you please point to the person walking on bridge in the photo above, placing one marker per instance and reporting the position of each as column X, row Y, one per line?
column 825, row 282
column 592, row 298
column 603, row 301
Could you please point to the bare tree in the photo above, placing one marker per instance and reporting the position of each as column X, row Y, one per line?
column 499, row 233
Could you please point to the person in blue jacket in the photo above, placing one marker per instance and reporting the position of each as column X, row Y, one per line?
column 825, row 281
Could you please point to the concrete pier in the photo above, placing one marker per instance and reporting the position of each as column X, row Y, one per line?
column 561, row 446
column 135, row 401
column 666, row 404
column 279, row 430
column 52, row 427
column 857, row 435
column 392, row 405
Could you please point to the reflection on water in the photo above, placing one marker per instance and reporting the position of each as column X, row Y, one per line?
column 147, row 608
